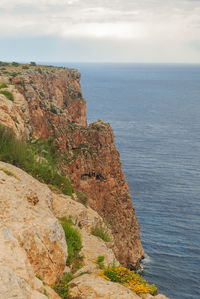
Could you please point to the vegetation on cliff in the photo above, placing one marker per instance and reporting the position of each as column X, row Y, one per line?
column 74, row 260
column 101, row 231
column 129, row 279
column 7, row 94
column 74, row 243
column 37, row 159
column 61, row 286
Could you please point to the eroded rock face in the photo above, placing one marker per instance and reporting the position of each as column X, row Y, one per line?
column 55, row 108
column 96, row 170
column 11, row 117
column 26, row 211
column 17, row 279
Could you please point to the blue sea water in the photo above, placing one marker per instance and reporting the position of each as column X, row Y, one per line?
column 154, row 111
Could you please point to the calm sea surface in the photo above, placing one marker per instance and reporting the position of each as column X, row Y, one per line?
column 155, row 114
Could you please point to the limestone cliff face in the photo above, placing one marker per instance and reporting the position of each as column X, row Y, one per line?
column 49, row 103
column 96, row 170
column 33, row 248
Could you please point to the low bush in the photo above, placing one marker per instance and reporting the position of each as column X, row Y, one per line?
column 82, row 198
column 16, row 64
column 53, row 109
column 74, row 243
column 33, row 159
column 61, row 286
column 4, row 63
column 45, row 292
column 32, row 63
column 8, row 95
column 99, row 230
column 3, row 85
column 100, row 261
column 129, row 279
column 14, row 74
column 39, row 70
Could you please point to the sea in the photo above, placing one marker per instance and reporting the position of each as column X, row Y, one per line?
column 154, row 110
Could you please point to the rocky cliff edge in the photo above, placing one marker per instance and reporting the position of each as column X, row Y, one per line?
column 48, row 103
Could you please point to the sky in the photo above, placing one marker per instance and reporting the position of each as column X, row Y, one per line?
column 152, row 31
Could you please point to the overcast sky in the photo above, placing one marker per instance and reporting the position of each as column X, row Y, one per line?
column 100, row 30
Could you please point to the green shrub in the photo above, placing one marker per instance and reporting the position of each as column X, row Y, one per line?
column 16, row 64
column 73, row 239
column 25, row 67
column 61, row 286
column 53, row 109
column 82, row 198
column 3, row 85
column 129, row 279
column 8, row 95
column 14, row 74
column 100, row 261
column 4, row 63
column 26, row 156
column 39, row 70
column 45, row 292
column 32, row 63
column 39, row 277
column 101, row 231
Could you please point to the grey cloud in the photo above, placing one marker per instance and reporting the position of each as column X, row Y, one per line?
column 64, row 27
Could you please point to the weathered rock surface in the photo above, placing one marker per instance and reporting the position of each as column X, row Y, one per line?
column 65, row 206
column 17, row 279
column 26, row 211
column 11, row 116
column 96, row 170
column 91, row 286
column 54, row 107
column 32, row 242
column 85, row 219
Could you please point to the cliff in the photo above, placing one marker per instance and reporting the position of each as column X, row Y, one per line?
column 33, row 248
column 48, row 103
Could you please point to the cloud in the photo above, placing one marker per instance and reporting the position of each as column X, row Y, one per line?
column 147, row 23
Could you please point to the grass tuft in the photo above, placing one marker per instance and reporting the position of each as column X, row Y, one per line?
column 99, row 230
column 45, row 292
column 74, row 243
column 6, row 171
column 61, row 286
column 3, row 85
column 7, row 94
column 100, row 261
column 82, row 198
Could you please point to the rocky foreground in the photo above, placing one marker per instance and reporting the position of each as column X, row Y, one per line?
column 33, row 249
